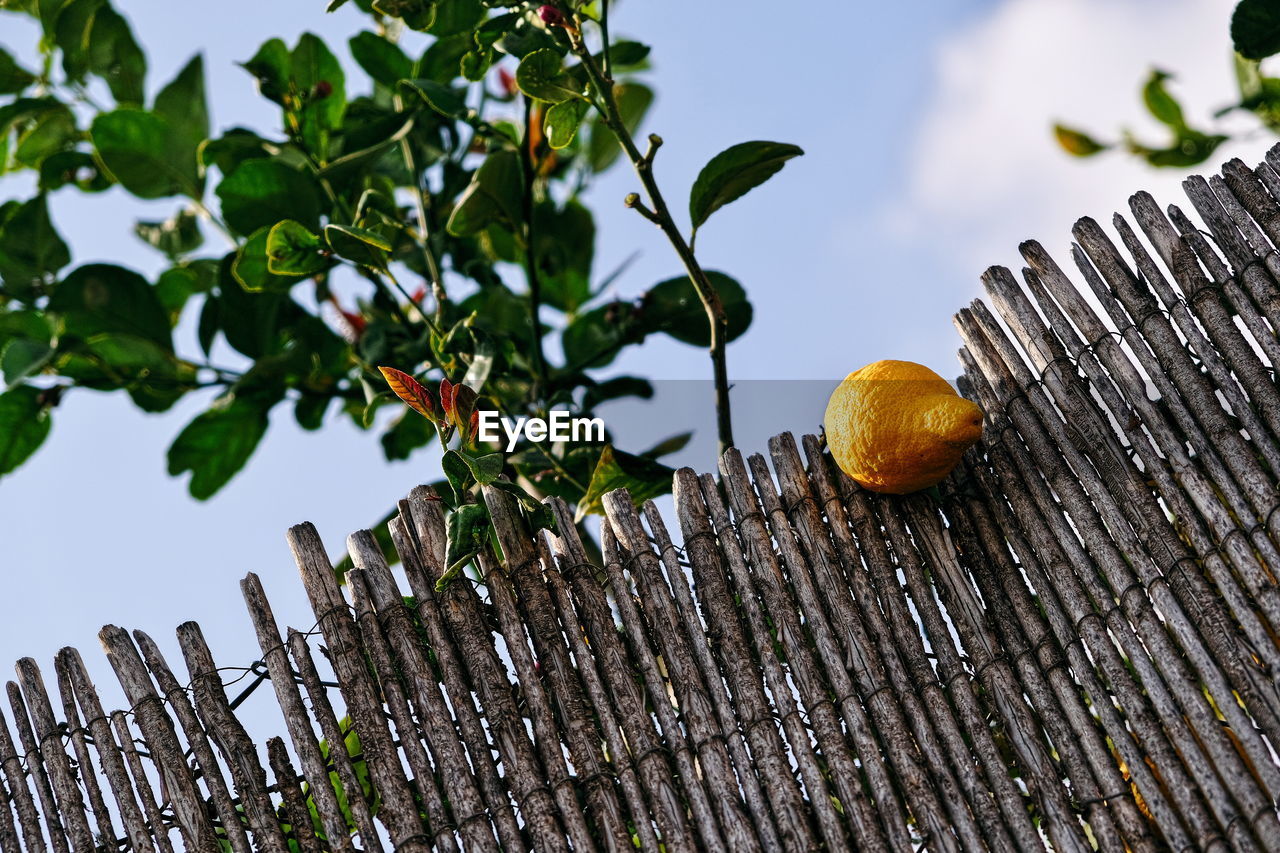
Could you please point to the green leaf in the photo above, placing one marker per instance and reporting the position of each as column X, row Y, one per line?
column 562, row 120
column 320, row 83
column 217, row 444
column 24, row 425
column 260, row 193
column 495, row 194
column 475, row 64
column 54, row 131
column 1162, row 106
column 441, row 97
column 407, row 434
column 603, row 148
column 231, row 149
column 102, row 298
column 360, row 245
column 458, row 473
column 13, row 77
column 22, row 357
column 626, row 54
column 594, row 338
column 96, row 40
column 30, row 248
column 673, row 307
column 541, row 75
column 145, row 154
column 440, row 61
column 733, row 173
column 455, row 16
column 486, row 468
column 643, row 478
column 309, row 412
column 564, row 240
column 468, row 533
column 182, row 104
column 252, row 266
column 176, row 236
column 73, row 167
column 668, row 445
column 153, row 376
column 1076, row 143
column 293, row 250
column 1255, row 28
column 270, row 66
column 382, row 60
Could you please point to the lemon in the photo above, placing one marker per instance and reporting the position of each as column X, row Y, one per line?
column 898, row 427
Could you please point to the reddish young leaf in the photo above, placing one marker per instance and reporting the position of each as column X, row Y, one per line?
column 410, row 390
column 474, row 426
column 447, row 391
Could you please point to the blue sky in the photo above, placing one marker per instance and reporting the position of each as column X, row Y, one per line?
column 928, row 157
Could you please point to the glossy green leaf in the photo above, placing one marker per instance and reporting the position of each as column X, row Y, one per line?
column 30, row 247
column 409, row 432
column 594, row 338
column 603, row 148
column 562, row 121
column 176, row 236
column 485, row 468
column 468, row 532
column 643, row 478
column 182, row 104
column 1255, row 28
column 24, row 425
column 73, row 167
column 95, row 39
column 260, row 193
column 293, row 250
column 154, row 378
column 145, row 154
column 13, row 77
column 441, row 97
column 541, row 75
column 102, row 298
column 54, row 131
column 381, row 59
column 1162, row 105
column 456, row 16
column 364, row 247
column 673, row 307
column 1077, row 143
column 217, row 444
column 22, row 357
column 252, row 266
column 495, row 194
column 733, row 173
column 270, row 67
column 320, row 84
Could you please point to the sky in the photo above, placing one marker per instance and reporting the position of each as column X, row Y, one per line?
column 928, row 158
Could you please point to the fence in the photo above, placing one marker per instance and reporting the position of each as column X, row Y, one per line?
column 1072, row 643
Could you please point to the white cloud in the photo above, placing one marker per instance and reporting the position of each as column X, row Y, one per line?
column 986, row 173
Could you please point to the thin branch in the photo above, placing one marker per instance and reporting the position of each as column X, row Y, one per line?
column 530, row 255
column 661, row 216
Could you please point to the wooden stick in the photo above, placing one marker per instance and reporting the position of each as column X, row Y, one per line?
column 35, row 766
column 565, row 692
column 110, row 758
column 754, row 708
column 24, row 804
column 237, row 748
column 453, row 675
column 210, row 769
column 617, row 671
column 314, row 768
column 294, row 810
column 433, row 713
column 399, row 812
column 103, row 826
column 150, row 807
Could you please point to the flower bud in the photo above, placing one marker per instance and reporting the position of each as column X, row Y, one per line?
column 551, row 16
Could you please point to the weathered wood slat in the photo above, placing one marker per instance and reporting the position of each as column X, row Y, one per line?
column 295, row 812
column 31, row 757
column 155, row 821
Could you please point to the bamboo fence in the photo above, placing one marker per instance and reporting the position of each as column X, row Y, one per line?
column 1072, row 643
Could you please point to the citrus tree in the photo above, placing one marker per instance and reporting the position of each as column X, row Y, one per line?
column 428, row 216
column 1255, row 36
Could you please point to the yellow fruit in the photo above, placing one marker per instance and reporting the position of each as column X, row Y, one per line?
column 898, row 427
